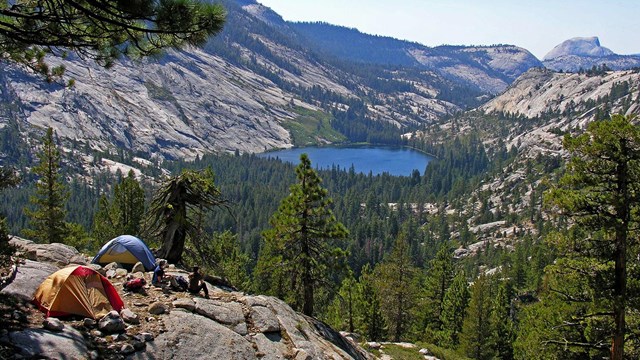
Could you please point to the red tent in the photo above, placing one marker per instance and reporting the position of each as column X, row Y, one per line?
column 77, row 290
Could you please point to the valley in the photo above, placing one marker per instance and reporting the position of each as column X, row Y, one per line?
column 477, row 253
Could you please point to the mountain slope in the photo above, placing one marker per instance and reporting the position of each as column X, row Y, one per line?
column 554, row 103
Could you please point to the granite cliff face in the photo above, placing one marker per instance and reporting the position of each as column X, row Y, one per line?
column 584, row 53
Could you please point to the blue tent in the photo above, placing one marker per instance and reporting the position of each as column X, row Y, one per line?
column 127, row 250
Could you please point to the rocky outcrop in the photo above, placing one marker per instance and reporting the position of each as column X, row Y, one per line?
column 56, row 253
column 191, row 336
column 161, row 324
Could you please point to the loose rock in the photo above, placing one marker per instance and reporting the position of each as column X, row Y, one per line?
column 112, row 266
column 53, row 324
column 158, row 308
column 138, row 345
column 129, row 316
column 138, row 267
column 110, row 323
column 185, row 303
column 146, row 336
column 121, row 273
column 127, row 349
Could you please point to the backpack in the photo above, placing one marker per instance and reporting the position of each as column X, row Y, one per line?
column 182, row 282
column 134, row 284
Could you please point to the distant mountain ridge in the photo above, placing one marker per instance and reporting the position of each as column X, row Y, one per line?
column 583, row 53
column 580, row 46
column 488, row 68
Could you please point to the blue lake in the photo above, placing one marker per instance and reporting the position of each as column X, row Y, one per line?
column 364, row 159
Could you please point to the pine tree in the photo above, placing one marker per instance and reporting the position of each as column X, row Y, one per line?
column 302, row 241
column 174, row 208
column 476, row 332
column 104, row 227
column 439, row 277
column 129, row 205
column 47, row 218
column 344, row 311
column 501, row 323
column 601, row 193
column 374, row 326
column 454, row 308
column 8, row 179
column 102, row 29
column 122, row 215
column 396, row 281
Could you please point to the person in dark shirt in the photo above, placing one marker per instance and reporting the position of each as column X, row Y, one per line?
column 158, row 273
column 196, row 284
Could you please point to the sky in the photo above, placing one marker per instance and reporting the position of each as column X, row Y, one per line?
column 536, row 25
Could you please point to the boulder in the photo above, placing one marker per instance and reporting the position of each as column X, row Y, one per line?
column 89, row 323
column 29, row 277
column 56, row 253
column 53, row 324
column 129, row 316
column 191, row 336
column 264, row 319
column 111, row 323
column 158, row 308
column 258, row 300
column 44, row 344
column 312, row 338
column 185, row 303
column 227, row 313
column 138, row 267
